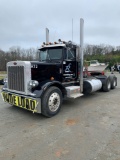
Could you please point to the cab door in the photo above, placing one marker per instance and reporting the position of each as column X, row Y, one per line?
column 69, row 65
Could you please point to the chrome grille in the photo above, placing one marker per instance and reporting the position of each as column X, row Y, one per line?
column 16, row 78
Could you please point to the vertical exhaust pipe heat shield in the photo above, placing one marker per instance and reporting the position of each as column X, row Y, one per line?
column 47, row 35
column 81, row 54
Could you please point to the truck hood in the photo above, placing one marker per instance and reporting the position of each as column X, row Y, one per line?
column 41, row 71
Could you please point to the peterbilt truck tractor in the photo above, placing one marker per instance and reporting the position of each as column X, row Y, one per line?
column 41, row 86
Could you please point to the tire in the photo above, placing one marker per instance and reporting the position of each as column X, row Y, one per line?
column 107, row 85
column 51, row 102
column 113, row 83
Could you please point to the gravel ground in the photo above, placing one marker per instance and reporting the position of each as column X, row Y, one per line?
column 87, row 128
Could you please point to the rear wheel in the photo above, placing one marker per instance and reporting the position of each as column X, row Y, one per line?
column 107, row 85
column 113, row 83
column 51, row 101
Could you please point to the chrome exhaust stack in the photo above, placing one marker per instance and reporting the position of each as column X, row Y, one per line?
column 81, row 54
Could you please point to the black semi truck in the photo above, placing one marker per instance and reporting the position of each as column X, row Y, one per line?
column 40, row 86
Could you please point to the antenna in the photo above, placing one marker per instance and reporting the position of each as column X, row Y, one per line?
column 72, row 29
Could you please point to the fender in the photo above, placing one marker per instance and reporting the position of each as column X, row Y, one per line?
column 102, row 78
column 45, row 85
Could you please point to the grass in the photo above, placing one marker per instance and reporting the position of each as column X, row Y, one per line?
column 2, row 77
column 3, row 72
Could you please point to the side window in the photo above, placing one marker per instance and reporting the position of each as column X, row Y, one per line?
column 70, row 53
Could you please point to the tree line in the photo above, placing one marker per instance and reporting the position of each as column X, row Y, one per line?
column 16, row 54
column 102, row 53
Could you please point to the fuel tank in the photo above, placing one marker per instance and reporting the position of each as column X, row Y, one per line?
column 91, row 85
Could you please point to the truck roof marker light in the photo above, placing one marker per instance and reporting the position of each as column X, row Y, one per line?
column 51, row 78
column 59, row 40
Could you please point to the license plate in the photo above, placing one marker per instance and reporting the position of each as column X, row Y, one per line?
column 23, row 102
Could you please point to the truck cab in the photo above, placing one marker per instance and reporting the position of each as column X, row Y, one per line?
column 59, row 61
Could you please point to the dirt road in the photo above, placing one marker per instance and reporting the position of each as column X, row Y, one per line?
column 87, row 128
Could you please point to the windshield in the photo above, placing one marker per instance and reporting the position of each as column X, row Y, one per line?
column 48, row 54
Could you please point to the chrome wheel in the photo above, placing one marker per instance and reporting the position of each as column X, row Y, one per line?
column 51, row 101
column 54, row 102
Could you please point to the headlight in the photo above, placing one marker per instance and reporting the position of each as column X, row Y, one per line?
column 33, row 83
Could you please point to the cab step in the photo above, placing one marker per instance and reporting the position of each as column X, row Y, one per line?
column 73, row 92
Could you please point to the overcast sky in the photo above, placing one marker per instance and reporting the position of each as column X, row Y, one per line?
column 23, row 22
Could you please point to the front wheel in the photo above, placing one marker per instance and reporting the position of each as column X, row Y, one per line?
column 51, row 101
